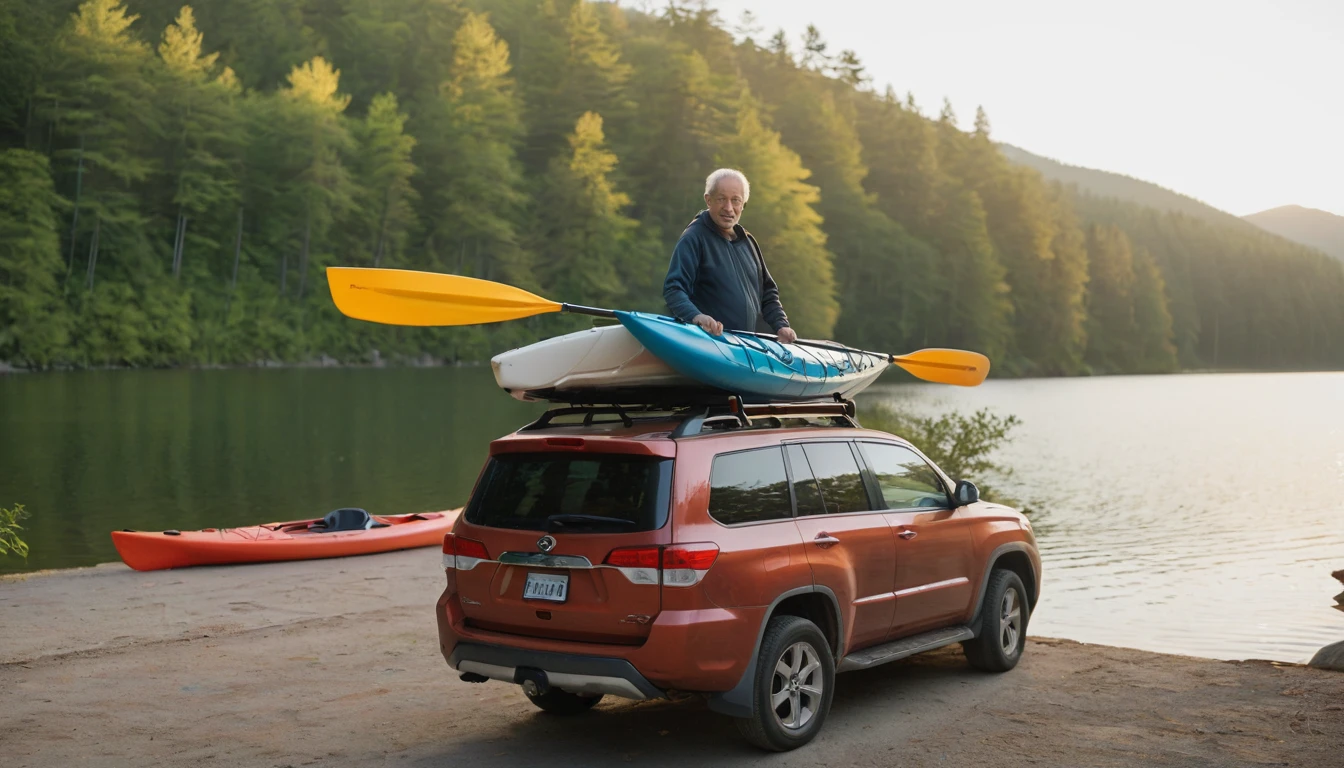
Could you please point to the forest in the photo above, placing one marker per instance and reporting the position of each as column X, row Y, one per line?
column 175, row 178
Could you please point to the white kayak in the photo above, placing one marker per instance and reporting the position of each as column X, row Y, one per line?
column 610, row 364
column 603, row 359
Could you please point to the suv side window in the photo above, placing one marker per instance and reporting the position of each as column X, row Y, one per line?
column 749, row 486
column 805, row 491
column 838, row 477
column 906, row 480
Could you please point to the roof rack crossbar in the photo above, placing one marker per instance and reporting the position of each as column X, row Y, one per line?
column 693, row 418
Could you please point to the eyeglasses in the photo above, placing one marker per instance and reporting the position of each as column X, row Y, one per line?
column 721, row 200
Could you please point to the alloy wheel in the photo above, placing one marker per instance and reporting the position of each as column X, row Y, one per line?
column 797, row 686
column 1010, row 622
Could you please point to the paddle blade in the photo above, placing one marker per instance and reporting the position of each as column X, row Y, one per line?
column 406, row 297
column 946, row 366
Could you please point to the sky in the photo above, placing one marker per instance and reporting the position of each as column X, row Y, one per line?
column 1238, row 103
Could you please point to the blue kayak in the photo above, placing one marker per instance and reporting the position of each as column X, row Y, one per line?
column 758, row 369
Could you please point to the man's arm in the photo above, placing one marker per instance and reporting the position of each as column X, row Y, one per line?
column 681, row 276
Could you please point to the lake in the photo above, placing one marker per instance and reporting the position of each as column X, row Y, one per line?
column 1196, row 514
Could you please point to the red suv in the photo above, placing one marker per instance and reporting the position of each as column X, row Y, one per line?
column 744, row 552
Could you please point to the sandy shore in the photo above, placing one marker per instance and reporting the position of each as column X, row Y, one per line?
column 336, row 663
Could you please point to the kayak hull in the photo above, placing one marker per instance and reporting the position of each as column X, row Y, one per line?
column 587, row 364
column 651, row 357
column 758, row 369
column 275, row 542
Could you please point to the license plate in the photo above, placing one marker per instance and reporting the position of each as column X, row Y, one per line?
column 544, row 586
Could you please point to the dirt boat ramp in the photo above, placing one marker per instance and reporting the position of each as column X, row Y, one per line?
column 336, row 662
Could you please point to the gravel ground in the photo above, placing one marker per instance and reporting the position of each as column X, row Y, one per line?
column 336, row 663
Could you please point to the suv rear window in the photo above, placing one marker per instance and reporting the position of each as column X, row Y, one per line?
column 606, row 493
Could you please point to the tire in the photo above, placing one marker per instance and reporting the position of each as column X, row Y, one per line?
column 558, row 702
column 795, row 646
column 998, row 645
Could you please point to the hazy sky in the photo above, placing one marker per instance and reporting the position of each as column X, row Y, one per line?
column 1239, row 103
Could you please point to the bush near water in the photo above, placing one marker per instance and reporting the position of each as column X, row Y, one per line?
column 9, row 528
column 174, row 178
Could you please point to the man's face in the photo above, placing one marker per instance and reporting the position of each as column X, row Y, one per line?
column 725, row 202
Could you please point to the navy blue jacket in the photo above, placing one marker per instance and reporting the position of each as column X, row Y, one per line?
column 725, row 279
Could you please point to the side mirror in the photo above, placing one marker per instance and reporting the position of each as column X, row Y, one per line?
column 966, row 493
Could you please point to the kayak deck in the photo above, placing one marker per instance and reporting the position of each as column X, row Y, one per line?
column 756, row 368
column 274, row 542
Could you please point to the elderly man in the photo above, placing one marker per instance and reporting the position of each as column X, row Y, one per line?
column 717, row 278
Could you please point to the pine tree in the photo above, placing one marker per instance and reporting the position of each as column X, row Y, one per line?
column 475, row 187
column 568, row 66
column 684, row 110
column 35, row 323
column 1111, row 327
column 782, row 216
column 586, row 246
column 974, row 309
column 1152, row 318
column 388, row 198
column 317, row 139
column 97, row 105
column 200, row 132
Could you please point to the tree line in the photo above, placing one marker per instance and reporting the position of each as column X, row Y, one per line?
column 173, row 180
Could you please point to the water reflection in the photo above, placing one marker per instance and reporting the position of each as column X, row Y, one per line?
column 91, row 452
column 1189, row 514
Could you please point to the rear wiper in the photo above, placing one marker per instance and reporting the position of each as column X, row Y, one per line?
column 560, row 521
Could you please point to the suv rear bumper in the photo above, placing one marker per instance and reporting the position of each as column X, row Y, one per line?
column 576, row 674
column 692, row 650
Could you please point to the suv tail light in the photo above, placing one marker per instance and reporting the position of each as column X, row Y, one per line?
column 639, row 564
column 462, row 554
column 682, row 565
column 685, row 565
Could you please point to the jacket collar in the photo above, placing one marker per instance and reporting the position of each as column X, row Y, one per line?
column 704, row 218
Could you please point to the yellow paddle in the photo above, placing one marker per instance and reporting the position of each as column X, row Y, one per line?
column 406, row 297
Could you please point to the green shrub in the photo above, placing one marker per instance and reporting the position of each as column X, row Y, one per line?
column 9, row 525
column 961, row 445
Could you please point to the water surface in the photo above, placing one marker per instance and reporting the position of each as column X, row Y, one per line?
column 1196, row 514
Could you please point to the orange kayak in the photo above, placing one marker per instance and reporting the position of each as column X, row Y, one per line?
column 272, row 542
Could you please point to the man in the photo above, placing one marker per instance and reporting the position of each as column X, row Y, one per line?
column 717, row 278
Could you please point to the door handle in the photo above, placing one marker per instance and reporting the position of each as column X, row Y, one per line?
column 825, row 540
column 907, row 534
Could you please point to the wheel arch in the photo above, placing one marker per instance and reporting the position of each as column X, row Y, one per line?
column 812, row 603
column 1015, row 556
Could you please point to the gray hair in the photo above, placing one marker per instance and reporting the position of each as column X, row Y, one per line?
column 728, row 173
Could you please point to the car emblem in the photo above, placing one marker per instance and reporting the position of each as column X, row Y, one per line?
column 546, row 543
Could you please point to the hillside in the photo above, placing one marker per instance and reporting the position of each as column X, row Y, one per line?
column 1309, row 226
column 1119, row 186
column 174, row 180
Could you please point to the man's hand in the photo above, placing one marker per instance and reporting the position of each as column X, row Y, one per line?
column 712, row 327
column 786, row 335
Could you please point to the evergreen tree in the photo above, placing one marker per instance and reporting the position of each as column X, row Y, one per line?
column 475, row 189
column 98, row 106
column 586, row 246
column 1152, row 318
column 316, row 139
column 1111, row 327
column 34, row 321
column 387, row 196
column 977, row 313
column 200, row 131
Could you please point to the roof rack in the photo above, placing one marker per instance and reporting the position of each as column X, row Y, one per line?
column 706, row 414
